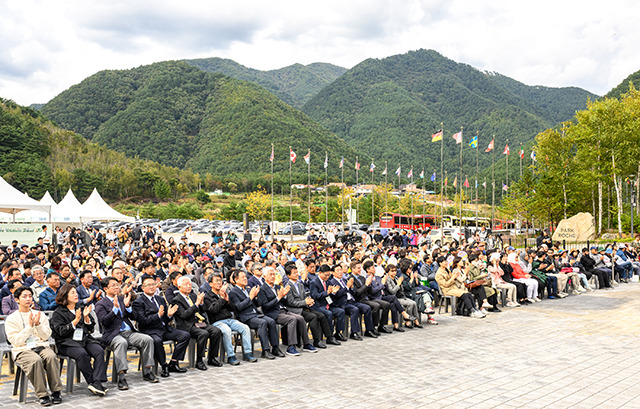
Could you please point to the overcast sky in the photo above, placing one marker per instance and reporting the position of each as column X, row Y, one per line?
column 47, row 46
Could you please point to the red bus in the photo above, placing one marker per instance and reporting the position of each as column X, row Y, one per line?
column 402, row 221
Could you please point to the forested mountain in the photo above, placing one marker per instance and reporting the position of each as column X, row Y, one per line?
column 295, row 84
column 623, row 87
column 36, row 156
column 387, row 109
column 182, row 116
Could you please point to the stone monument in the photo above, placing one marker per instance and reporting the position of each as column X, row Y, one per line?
column 580, row 227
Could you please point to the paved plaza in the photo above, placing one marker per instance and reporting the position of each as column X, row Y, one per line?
column 579, row 352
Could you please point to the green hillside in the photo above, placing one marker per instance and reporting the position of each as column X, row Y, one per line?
column 387, row 109
column 181, row 116
column 623, row 87
column 37, row 156
column 295, row 84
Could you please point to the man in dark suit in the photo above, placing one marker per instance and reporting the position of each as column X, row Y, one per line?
column 361, row 290
column 153, row 318
column 377, row 290
column 88, row 293
column 114, row 314
column 271, row 298
column 321, row 293
column 300, row 303
column 346, row 300
column 246, row 312
column 192, row 318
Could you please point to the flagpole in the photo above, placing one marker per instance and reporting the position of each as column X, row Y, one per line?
column 326, row 191
column 290, row 199
column 521, row 154
column 386, row 188
column 399, row 191
column 461, row 190
column 484, row 199
column 442, row 184
column 357, row 197
column 372, row 195
column 493, row 180
column 309, row 183
column 342, row 186
column 477, row 175
column 507, row 164
column 424, row 197
column 411, row 196
column 273, row 226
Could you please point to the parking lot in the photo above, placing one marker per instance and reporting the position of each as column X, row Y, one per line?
column 579, row 352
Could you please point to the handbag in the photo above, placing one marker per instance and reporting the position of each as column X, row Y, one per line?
column 474, row 284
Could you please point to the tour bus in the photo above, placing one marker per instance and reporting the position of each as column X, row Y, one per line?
column 400, row 221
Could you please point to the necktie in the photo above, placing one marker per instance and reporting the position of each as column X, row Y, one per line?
column 324, row 284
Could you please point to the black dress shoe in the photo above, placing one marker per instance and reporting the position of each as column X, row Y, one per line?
column 356, row 336
column 320, row 344
column 384, row 329
column 122, row 382
column 150, row 377
column 277, row 352
column 165, row 371
column 214, row 362
column 399, row 329
column 201, row 366
column 340, row 337
column 375, row 331
column 495, row 309
column 175, row 367
column 370, row 334
column 45, row 401
column 333, row 341
column 267, row 355
column 56, row 398
column 417, row 325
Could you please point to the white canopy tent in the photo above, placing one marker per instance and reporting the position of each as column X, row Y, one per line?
column 68, row 210
column 95, row 208
column 12, row 201
column 35, row 216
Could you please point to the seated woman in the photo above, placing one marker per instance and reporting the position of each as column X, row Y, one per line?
column 520, row 276
column 395, row 286
column 496, row 277
column 508, row 277
column 480, row 284
column 72, row 330
column 452, row 284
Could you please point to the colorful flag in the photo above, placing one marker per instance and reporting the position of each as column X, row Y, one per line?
column 466, row 182
column 433, row 177
column 410, row 174
column 292, row 155
column 474, row 141
column 384, row 172
column 307, row 157
column 436, row 136
column 398, row 171
column 506, row 149
column 271, row 157
column 505, row 187
column 458, row 137
column 455, row 182
column 422, row 174
column 446, row 180
column 357, row 165
column 490, row 147
column 476, row 183
column 484, row 184
column 341, row 163
column 533, row 156
column 326, row 160
column 372, row 167
column 521, row 153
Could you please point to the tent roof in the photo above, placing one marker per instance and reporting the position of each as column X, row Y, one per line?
column 68, row 210
column 13, row 201
column 95, row 208
column 47, row 199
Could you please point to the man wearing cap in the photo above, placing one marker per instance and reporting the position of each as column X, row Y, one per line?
column 623, row 263
column 589, row 264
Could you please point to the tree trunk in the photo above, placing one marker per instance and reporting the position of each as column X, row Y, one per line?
column 564, row 192
column 617, row 181
column 599, row 207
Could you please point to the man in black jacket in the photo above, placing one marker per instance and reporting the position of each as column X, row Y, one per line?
column 220, row 312
column 589, row 264
column 192, row 318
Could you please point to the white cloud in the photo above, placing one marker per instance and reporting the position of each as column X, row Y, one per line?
column 49, row 46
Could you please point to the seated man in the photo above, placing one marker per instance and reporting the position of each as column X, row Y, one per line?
column 192, row 318
column 245, row 305
column 345, row 299
column 114, row 314
column 298, row 302
column 88, row 293
column 39, row 284
column 153, row 318
column 361, row 289
column 589, row 265
column 377, row 292
column 220, row 312
column 48, row 296
column 9, row 303
column 270, row 299
column 28, row 332
column 321, row 292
